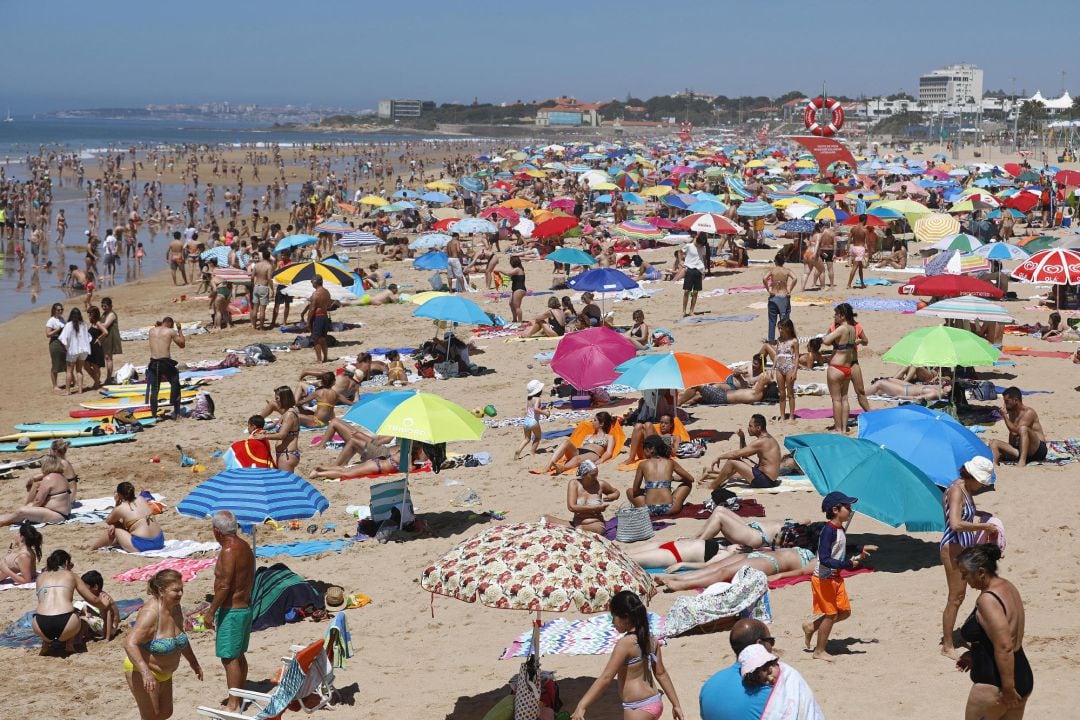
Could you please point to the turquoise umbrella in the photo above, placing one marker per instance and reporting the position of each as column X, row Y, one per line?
column 889, row 488
column 571, row 256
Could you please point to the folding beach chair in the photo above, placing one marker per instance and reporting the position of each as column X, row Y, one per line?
column 306, row 682
column 388, row 496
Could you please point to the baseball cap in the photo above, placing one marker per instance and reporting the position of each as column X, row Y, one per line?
column 754, row 657
column 836, row 498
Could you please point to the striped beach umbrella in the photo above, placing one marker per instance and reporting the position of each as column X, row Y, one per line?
column 967, row 307
column 255, row 495
column 1002, row 251
column 960, row 241
column 936, row 226
column 1056, row 267
column 358, row 238
column 334, row 227
column 829, row 214
column 639, row 230
column 296, row 272
column 756, row 208
column 709, row 223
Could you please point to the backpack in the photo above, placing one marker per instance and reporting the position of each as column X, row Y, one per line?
column 204, row 407
column 794, row 534
column 984, row 390
column 260, row 352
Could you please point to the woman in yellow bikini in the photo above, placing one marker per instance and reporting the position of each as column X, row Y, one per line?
column 598, row 447
column 326, row 399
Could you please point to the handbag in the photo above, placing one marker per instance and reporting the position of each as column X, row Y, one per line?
column 633, row 524
column 527, row 692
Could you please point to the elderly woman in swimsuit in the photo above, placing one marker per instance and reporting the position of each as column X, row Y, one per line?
column 56, row 622
column 156, row 644
column 776, row 564
column 49, row 501
column 598, row 447
column 838, row 374
column 288, row 432
column 19, row 564
column 587, row 497
column 652, row 481
column 59, row 450
column 132, row 526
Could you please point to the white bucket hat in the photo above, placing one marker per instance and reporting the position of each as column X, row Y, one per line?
column 981, row 469
column 535, row 387
column 753, row 657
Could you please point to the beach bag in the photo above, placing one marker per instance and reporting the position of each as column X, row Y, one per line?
column 984, row 390
column 634, row 524
column 260, row 353
column 204, row 407
column 692, row 449
column 126, row 374
column 794, row 534
column 526, row 688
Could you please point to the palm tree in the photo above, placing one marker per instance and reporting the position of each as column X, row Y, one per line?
column 1033, row 113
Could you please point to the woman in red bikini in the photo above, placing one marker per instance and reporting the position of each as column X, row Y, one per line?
column 838, row 375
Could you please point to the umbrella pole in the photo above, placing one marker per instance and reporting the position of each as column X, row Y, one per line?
column 536, row 641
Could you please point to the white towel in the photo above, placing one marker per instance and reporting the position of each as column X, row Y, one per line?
column 177, row 549
column 10, row 586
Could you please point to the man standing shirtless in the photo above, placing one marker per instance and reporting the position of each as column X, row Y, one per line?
column 162, row 366
column 763, row 473
column 260, row 291
column 175, row 257
column 780, row 282
column 319, row 318
column 454, row 269
column 1027, row 443
column 827, row 250
column 230, row 609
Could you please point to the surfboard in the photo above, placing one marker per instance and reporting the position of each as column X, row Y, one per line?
column 163, row 393
column 85, row 426
column 44, row 432
column 140, row 412
column 84, row 441
column 16, row 464
column 127, row 403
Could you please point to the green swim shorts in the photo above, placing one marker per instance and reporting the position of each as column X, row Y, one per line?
column 233, row 632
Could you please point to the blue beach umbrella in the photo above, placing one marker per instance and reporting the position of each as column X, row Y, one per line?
column 571, row 256
column 294, row 241
column 436, row 197
column 406, row 194
column 255, row 495
column 707, row 206
column 933, row 441
column 453, row 308
column 670, row 371
column 474, row 225
column 1002, row 251
column 472, row 184
column 603, row 199
column 430, row 241
column 889, row 488
column 756, row 208
column 433, row 260
column 602, row 280
column 219, row 255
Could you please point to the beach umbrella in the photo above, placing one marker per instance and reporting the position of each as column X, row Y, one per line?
column 602, row 280
column 1025, row 202
column 299, row 271
column 1002, row 251
column 406, row 194
column 435, row 197
column 561, row 636
column 587, row 359
column 294, row 241
column 571, row 256
column 430, row 242
column 525, row 226
column 1057, row 267
column 471, row 184
column 538, row 568
column 885, row 213
column 818, row 189
column 433, row 260
column 889, row 488
column 423, row 297
column 254, row 495
column 373, row 200
column 669, row 371
column 412, row 415
column 932, row 441
column 638, row 230
column 871, row 221
column 440, row 184
column 473, row 226
column 797, row 226
column 967, row 307
column 755, row 208
column 219, row 255
column 707, row 205
column 942, row 346
column 963, row 263
column 959, row 241
column 554, row 227
column 453, row 308
column 334, row 227
column 305, row 289
column 499, row 211
column 950, row 286
column 936, row 226
column 1067, row 177
column 518, row 204
column 829, row 214
column 709, row 223
column 358, row 238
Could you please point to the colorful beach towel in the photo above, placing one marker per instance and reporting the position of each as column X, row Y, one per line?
column 698, row 320
column 784, row 582
column 882, row 304
column 187, row 567
column 1029, row 352
column 747, row 596
column 20, row 634
column 595, row 636
column 276, row 590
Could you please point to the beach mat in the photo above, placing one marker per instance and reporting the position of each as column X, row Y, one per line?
column 187, row 567
column 784, row 582
column 1028, row 352
column 302, row 549
column 20, row 634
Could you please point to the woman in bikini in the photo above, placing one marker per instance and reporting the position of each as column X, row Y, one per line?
column 55, row 621
column 156, row 644
column 785, row 357
column 132, row 526
column 326, row 399
column 653, row 478
column 19, row 564
column 288, row 432
column 377, row 464
column 587, row 497
column 598, row 447
column 776, row 564
column 48, row 501
column 636, row 663
column 838, row 374
column 550, row 323
column 59, row 449
column 639, row 333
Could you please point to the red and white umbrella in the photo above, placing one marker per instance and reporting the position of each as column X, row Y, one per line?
column 711, row 223
column 1057, row 267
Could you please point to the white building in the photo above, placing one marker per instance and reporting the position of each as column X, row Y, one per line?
column 956, row 88
column 394, row 109
column 1065, row 102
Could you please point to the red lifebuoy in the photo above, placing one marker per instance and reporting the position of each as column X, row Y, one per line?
column 836, row 116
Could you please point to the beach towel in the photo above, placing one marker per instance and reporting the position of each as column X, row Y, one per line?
column 746, row 596
column 20, row 634
column 277, row 590
column 791, row 698
column 820, row 413
column 177, row 549
column 882, row 304
column 338, row 641
column 187, row 567
column 1029, row 352
column 775, row 584
column 698, row 320
column 415, row 470
column 1000, row 389
column 572, row 415
column 877, row 281
column 562, row 636
column 251, row 452
column 583, row 430
column 1061, row 452
column 788, row 483
column 8, row 585
column 301, row 549
column 552, row 434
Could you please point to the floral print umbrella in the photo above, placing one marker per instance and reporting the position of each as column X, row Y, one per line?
column 537, row 567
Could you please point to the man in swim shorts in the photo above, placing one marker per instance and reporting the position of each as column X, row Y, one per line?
column 763, row 473
column 1027, row 443
column 319, row 319
column 261, row 272
column 230, row 610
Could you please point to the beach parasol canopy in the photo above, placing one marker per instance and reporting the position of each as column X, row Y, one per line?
column 755, row 208
column 304, row 289
column 797, row 226
column 294, row 241
column 453, row 308
column 602, row 280
column 711, row 223
column 587, row 359
column 430, row 241
column 1057, row 267
column 571, row 256
column 936, row 226
column 829, row 214
column 950, row 286
column 358, row 238
column 889, row 488
column 334, row 227
column 473, row 226
column 255, row 495
column 554, row 227
column 433, row 260
column 967, row 307
column 670, row 371
column 941, row 346
column 300, row 271
column 412, row 415
column 932, row 441
column 959, row 241
column 1002, row 251
column 638, row 230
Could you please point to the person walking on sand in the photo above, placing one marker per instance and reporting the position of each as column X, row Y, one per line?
column 162, row 367
column 111, row 343
column 534, row 410
column 174, row 255
column 454, row 270
column 780, row 282
column 693, row 260
column 319, row 318
column 230, row 611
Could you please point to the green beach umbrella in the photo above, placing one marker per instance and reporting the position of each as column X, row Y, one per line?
column 941, row 346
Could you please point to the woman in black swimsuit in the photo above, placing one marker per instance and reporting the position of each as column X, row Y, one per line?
column 517, row 287
column 550, row 323
column 639, row 333
column 995, row 631
column 55, row 620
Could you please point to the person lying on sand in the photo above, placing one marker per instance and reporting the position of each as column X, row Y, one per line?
column 910, row 391
column 373, row 466
column 725, row 524
column 776, row 564
column 726, row 393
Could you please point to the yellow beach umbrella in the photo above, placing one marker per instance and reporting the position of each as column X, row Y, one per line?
column 536, row 173
column 421, row 298
column 374, row 200
column 656, row 191
column 604, row 186
column 440, row 185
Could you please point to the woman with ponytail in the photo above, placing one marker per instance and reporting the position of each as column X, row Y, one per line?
column 636, row 662
column 19, row 564
column 56, row 622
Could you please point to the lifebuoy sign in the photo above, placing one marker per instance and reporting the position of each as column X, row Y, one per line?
column 826, row 151
column 830, row 109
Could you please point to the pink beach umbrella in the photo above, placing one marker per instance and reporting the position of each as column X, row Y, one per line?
column 587, row 359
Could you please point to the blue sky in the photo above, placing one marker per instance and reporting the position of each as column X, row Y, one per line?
column 64, row 54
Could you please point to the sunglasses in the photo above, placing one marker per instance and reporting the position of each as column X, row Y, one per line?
column 770, row 640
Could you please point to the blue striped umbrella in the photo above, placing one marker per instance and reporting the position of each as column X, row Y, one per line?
column 358, row 238
column 335, row 227
column 756, row 208
column 219, row 254
column 255, row 495
column 293, row 241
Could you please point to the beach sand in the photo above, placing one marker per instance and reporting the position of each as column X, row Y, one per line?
column 425, row 657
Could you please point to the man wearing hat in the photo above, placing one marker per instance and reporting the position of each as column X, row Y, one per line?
column 724, row 696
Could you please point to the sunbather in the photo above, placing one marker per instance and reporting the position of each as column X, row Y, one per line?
column 665, row 428
column 357, row 441
column 326, row 399
column 345, row 385
column 910, row 391
column 288, row 432
column 776, row 564
column 598, row 447
column 131, row 524
column 587, row 497
column 55, row 620
column 19, row 563
column 59, row 448
column 49, row 501
column 652, row 481
column 724, row 523
column 374, row 466
column 726, row 393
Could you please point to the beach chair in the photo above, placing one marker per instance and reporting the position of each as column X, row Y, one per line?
column 585, row 428
column 307, row 682
column 387, row 496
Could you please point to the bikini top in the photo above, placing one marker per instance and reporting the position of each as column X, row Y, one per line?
column 166, row 646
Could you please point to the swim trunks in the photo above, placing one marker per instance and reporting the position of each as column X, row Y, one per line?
column 320, row 326
column 711, row 395
column 233, row 632
column 830, row 596
column 260, row 295
column 761, row 480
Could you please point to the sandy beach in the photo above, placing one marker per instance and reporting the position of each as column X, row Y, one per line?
column 420, row 656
